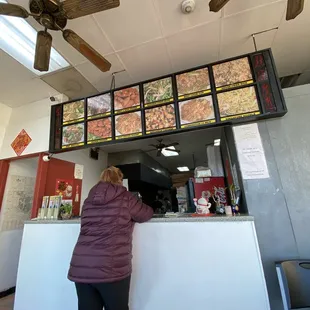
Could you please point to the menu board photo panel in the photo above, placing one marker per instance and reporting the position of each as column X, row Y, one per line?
column 73, row 135
column 73, row 112
column 98, row 106
column 238, row 103
column 197, row 112
column 232, row 74
column 127, row 99
column 99, row 130
column 158, row 92
column 160, row 119
column 128, row 125
column 193, row 83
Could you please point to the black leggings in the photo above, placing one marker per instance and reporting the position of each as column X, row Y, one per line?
column 111, row 296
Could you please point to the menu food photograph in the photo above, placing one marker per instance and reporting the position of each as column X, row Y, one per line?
column 238, row 102
column 126, row 99
column 99, row 130
column 98, row 106
column 159, row 91
column 197, row 111
column 128, row 125
column 160, row 118
column 232, row 72
column 73, row 112
column 73, row 135
column 193, row 82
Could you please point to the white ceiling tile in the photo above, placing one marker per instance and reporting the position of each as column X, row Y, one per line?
column 133, row 23
column 237, row 29
column 236, row 6
column 29, row 91
column 173, row 20
column 146, row 61
column 194, row 47
column 291, row 46
column 102, row 80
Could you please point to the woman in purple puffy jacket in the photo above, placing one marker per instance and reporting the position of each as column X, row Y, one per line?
column 101, row 261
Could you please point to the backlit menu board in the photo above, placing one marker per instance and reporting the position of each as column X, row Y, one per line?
column 197, row 112
column 158, row 92
column 193, row 83
column 73, row 112
column 238, row 103
column 99, row 130
column 232, row 73
column 127, row 99
column 242, row 89
column 99, row 106
column 128, row 125
column 73, row 135
column 160, row 119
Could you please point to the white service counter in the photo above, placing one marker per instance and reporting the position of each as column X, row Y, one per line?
column 179, row 264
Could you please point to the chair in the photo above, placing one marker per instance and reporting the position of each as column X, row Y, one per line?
column 294, row 280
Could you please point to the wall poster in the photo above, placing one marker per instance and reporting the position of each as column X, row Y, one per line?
column 251, row 153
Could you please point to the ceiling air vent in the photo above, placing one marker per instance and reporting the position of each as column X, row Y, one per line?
column 289, row 81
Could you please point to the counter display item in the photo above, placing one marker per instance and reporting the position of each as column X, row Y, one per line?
column 160, row 119
column 238, row 103
column 127, row 99
column 99, row 106
column 193, row 83
column 128, row 125
column 99, row 130
column 199, row 111
column 73, row 112
column 53, row 207
column 65, row 210
column 42, row 213
column 73, row 135
column 232, row 72
column 158, row 92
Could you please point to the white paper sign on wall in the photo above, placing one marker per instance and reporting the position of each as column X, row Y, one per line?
column 251, row 152
column 78, row 172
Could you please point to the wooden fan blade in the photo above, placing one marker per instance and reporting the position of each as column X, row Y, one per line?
column 13, row 10
column 172, row 150
column 43, row 51
column 86, row 50
column 294, row 8
column 172, row 144
column 78, row 8
column 216, row 5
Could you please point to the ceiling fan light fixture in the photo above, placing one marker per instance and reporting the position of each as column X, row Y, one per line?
column 168, row 151
column 18, row 39
column 183, row 169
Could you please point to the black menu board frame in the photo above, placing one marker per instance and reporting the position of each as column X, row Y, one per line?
column 265, row 82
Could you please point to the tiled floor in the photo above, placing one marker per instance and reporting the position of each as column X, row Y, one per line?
column 7, row 303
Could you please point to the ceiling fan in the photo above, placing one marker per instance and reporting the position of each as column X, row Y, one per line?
column 294, row 7
column 53, row 15
column 160, row 146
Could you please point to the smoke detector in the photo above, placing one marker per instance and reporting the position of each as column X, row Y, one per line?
column 188, row 6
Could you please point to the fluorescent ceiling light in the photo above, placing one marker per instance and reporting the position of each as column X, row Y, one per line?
column 183, row 169
column 166, row 151
column 217, row 142
column 18, row 39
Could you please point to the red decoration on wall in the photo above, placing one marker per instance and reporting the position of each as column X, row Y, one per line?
column 64, row 188
column 21, row 142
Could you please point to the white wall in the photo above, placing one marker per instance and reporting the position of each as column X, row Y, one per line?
column 10, row 239
column 5, row 114
column 92, row 168
column 35, row 119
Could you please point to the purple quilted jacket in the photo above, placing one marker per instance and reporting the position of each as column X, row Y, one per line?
column 103, row 251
